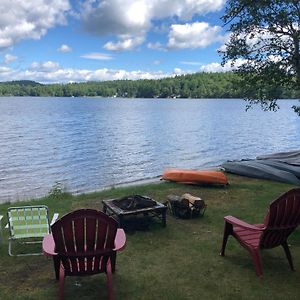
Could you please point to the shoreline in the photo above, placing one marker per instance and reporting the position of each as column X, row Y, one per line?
column 150, row 180
column 138, row 182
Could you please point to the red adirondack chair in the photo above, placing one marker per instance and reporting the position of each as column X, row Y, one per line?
column 282, row 219
column 84, row 242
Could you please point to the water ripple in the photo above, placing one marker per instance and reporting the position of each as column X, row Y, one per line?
column 88, row 144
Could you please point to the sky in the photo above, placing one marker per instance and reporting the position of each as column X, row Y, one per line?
column 60, row 41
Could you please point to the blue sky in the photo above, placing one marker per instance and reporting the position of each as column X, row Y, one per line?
column 70, row 41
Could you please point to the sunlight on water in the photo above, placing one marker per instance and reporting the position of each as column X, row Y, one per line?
column 91, row 143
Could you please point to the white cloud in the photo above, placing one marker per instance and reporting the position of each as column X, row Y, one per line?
column 191, row 63
column 97, row 56
column 115, row 16
column 214, row 67
column 217, row 67
column 8, row 58
column 125, row 43
column 52, row 72
column 275, row 58
column 64, row 48
column 4, row 70
column 44, row 67
column 194, row 35
column 29, row 19
column 134, row 17
column 258, row 38
column 155, row 46
column 178, row 71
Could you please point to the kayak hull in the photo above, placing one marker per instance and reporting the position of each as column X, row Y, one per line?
column 195, row 176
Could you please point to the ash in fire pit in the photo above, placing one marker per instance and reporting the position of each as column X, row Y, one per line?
column 134, row 202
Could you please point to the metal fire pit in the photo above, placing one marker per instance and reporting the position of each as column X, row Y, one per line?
column 158, row 211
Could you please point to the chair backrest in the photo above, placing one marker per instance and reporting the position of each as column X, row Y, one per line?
column 28, row 221
column 282, row 219
column 84, row 240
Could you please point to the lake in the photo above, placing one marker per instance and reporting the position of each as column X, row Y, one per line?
column 89, row 143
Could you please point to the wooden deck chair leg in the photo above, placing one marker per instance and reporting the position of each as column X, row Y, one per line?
column 109, row 280
column 227, row 232
column 257, row 262
column 61, row 282
column 56, row 263
column 288, row 254
column 113, row 259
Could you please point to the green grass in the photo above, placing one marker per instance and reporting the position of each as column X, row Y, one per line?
column 178, row 262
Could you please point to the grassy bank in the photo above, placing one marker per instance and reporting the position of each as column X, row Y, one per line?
column 180, row 261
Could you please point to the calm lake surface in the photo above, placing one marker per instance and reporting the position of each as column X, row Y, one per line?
column 88, row 144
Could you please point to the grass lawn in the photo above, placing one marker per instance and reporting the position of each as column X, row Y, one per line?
column 180, row 261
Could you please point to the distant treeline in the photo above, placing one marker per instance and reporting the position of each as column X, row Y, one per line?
column 199, row 85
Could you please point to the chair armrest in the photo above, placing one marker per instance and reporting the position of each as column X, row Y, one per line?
column 49, row 245
column 55, row 217
column 235, row 221
column 120, row 240
column 1, row 217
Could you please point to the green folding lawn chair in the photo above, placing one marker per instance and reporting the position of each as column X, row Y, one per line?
column 28, row 224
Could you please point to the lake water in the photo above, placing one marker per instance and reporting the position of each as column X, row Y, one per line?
column 88, row 144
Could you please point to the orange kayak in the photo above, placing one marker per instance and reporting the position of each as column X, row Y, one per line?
column 195, row 177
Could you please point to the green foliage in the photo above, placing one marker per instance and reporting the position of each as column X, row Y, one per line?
column 265, row 42
column 199, row 85
column 57, row 191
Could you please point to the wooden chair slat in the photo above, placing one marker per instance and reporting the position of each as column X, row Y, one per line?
column 91, row 233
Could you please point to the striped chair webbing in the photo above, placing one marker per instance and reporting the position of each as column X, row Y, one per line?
column 28, row 221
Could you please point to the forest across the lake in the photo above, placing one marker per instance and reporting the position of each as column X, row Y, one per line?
column 198, row 85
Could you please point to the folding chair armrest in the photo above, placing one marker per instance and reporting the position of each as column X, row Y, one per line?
column 54, row 218
column 235, row 221
column 1, row 217
column 49, row 245
column 120, row 240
